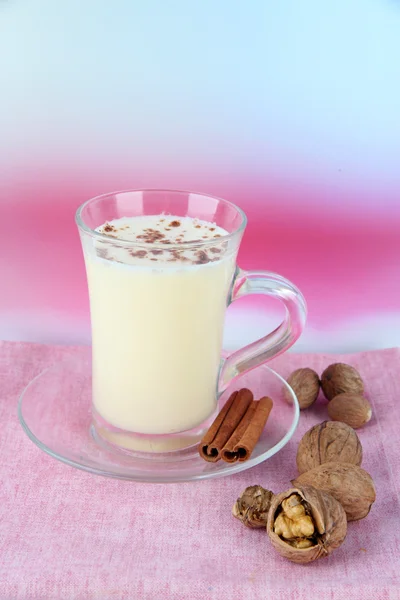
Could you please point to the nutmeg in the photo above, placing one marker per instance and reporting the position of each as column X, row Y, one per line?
column 350, row 485
column 326, row 442
column 352, row 409
column 340, row 378
column 252, row 507
column 305, row 524
column 305, row 384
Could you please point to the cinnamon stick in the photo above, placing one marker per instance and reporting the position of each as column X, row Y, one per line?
column 224, row 425
column 245, row 446
column 228, row 453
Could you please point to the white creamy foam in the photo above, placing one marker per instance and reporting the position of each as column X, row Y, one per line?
column 170, row 233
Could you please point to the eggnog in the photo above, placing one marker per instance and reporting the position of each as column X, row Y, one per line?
column 157, row 311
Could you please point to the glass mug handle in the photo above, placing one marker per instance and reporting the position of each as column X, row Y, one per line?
column 247, row 283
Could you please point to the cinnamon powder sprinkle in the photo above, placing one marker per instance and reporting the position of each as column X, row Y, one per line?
column 138, row 253
column 177, row 255
column 151, row 235
column 202, row 257
column 108, row 227
column 175, row 224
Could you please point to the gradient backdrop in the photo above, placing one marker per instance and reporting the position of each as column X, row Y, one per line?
column 290, row 109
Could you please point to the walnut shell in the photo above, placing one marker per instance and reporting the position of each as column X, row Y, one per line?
column 252, row 507
column 351, row 409
column 329, row 519
column 350, row 485
column 329, row 441
column 305, row 384
column 340, row 378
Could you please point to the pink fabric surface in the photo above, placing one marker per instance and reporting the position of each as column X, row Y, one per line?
column 69, row 535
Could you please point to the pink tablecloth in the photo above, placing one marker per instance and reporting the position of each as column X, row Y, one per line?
column 68, row 535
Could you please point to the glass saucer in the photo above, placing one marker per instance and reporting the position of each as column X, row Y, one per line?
column 55, row 412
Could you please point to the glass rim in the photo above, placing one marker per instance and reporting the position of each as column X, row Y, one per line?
column 121, row 242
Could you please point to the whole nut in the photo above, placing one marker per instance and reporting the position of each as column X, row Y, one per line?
column 350, row 485
column 340, row 378
column 329, row 441
column 252, row 507
column 351, row 409
column 305, row 524
column 305, row 384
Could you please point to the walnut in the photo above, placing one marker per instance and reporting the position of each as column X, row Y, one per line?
column 340, row 378
column 305, row 524
column 350, row 485
column 326, row 442
column 305, row 384
column 293, row 522
column 252, row 507
column 351, row 409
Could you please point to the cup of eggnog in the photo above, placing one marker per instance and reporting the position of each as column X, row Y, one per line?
column 161, row 272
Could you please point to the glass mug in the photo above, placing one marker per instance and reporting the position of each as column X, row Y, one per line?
column 157, row 315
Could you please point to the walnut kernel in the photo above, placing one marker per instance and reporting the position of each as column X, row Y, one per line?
column 293, row 522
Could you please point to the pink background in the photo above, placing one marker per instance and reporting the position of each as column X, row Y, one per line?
column 304, row 135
